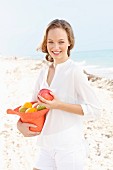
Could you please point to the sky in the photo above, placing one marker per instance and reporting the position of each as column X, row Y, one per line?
column 22, row 24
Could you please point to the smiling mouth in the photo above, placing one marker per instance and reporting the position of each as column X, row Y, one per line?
column 56, row 52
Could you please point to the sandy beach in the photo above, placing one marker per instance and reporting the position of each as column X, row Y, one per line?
column 17, row 80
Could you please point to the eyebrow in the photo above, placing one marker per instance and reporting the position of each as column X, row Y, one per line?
column 59, row 39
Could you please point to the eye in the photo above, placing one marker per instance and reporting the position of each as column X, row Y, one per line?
column 61, row 42
column 50, row 42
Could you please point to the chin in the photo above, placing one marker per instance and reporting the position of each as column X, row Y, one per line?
column 57, row 57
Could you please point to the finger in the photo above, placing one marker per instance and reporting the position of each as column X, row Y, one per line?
column 39, row 102
column 26, row 124
column 28, row 135
column 30, row 125
column 34, row 133
column 31, row 134
column 42, row 99
column 53, row 94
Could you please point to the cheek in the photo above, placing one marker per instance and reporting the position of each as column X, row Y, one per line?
column 49, row 47
column 49, row 52
column 65, row 48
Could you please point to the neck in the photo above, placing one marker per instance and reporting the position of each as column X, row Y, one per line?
column 56, row 62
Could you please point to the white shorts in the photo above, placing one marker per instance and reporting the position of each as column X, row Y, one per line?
column 52, row 159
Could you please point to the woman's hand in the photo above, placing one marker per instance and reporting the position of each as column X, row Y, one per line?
column 24, row 129
column 57, row 104
column 50, row 104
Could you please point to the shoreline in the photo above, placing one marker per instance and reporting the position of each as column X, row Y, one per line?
column 19, row 152
column 90, row 69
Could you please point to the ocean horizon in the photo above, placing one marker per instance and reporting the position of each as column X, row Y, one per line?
column 98, row 62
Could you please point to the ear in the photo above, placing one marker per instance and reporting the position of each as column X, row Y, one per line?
column 68, row 44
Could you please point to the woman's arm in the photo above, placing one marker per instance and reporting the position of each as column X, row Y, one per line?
column 87, row 101
column 24, row 129
column 72, row 108
column 86, row 96
column 57, row 104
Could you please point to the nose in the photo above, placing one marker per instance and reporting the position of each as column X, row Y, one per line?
column 56, row 46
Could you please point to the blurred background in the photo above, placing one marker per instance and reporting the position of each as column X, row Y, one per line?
column 22, row 24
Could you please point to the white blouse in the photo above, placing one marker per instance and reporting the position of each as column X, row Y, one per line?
column 64, row 129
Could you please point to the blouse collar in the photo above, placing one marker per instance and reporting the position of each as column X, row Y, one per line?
column 63, row 64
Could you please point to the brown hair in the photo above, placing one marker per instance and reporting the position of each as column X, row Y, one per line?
column 58, row 24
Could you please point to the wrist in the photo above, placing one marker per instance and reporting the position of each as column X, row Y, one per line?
column 19, row 124
column 59, row 105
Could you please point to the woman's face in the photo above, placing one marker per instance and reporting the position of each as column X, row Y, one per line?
column 57, row 44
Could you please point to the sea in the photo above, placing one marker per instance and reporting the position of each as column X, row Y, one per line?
column 97, row 62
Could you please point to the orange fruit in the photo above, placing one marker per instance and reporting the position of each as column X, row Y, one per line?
column 27, row 105
column 31, row 110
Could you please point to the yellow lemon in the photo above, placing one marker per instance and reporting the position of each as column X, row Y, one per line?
column 31, row 110
column 27, row 105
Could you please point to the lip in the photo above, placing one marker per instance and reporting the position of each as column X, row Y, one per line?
column 56, row 53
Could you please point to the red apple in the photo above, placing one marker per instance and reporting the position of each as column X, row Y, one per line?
column 45, row 93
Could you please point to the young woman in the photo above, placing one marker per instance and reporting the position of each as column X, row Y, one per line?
column 62, row 143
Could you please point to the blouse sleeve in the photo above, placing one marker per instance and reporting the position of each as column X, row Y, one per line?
column 87, row 97
column 37, row 85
